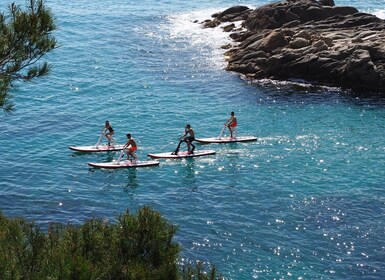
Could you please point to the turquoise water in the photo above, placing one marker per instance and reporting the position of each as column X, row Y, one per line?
column 305, row 201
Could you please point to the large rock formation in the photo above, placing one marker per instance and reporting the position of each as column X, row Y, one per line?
column 308, row 40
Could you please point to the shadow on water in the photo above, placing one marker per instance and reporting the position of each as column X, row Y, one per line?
column 110, row 155
column 303, row 92
column 233, row 157
column 132, row 182
column 79, row 154
column 187, row 173
column 112, row 175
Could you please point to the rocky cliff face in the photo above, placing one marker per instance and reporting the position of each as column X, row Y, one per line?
column 308, row 40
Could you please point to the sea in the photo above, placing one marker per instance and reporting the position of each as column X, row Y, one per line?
column 304, row 201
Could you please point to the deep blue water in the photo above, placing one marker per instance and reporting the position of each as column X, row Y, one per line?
column 306, row 201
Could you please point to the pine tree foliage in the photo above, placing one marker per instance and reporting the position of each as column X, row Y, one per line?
column 135, row 246
column 25, row 37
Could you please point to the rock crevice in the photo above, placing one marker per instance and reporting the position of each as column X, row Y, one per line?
column 309, row 40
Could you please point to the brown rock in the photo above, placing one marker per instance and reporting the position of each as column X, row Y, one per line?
column 310, row 40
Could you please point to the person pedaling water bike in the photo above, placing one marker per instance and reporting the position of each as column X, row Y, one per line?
column 231, row 123
column 188, row 137
column 131, row 147
column 108, row 131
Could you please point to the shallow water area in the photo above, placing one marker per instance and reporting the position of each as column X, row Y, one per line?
column 305, row 201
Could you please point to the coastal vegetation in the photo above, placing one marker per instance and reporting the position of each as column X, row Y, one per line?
column 25, row 37
column 135, row 246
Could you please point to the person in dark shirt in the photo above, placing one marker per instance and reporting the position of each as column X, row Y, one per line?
column 188, row 137
column 108, row 132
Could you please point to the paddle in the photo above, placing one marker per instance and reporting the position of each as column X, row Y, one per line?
column 178, row 147
column 235, row 131
column 222, row 131
column 100, row 139
column 112, row 141
column 121, row 156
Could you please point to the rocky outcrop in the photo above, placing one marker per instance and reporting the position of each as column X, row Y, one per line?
column 308, row 40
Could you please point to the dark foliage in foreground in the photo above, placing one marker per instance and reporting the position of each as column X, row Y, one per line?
column 25, row 37
column 137, row 246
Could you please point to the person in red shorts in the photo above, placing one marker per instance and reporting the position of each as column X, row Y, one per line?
column 231, row 123
column 131, row 147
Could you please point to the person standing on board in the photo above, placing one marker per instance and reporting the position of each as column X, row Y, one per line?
column 188, row 137
column 108, row 132
column 231, row 123
column 131, row 147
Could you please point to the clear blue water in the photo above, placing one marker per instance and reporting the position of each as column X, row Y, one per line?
column 306, row 201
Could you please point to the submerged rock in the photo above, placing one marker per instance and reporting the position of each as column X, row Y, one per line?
column 309, row 40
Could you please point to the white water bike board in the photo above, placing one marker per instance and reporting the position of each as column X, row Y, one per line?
column 226, row 139
column 183, row 154
column 123, row 164
column 94, row 149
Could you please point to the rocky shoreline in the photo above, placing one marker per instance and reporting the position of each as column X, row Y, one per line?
column 308, row 40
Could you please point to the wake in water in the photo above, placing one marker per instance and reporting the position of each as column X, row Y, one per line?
column 380, row 14
column 207, row 42
column 211, row 44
